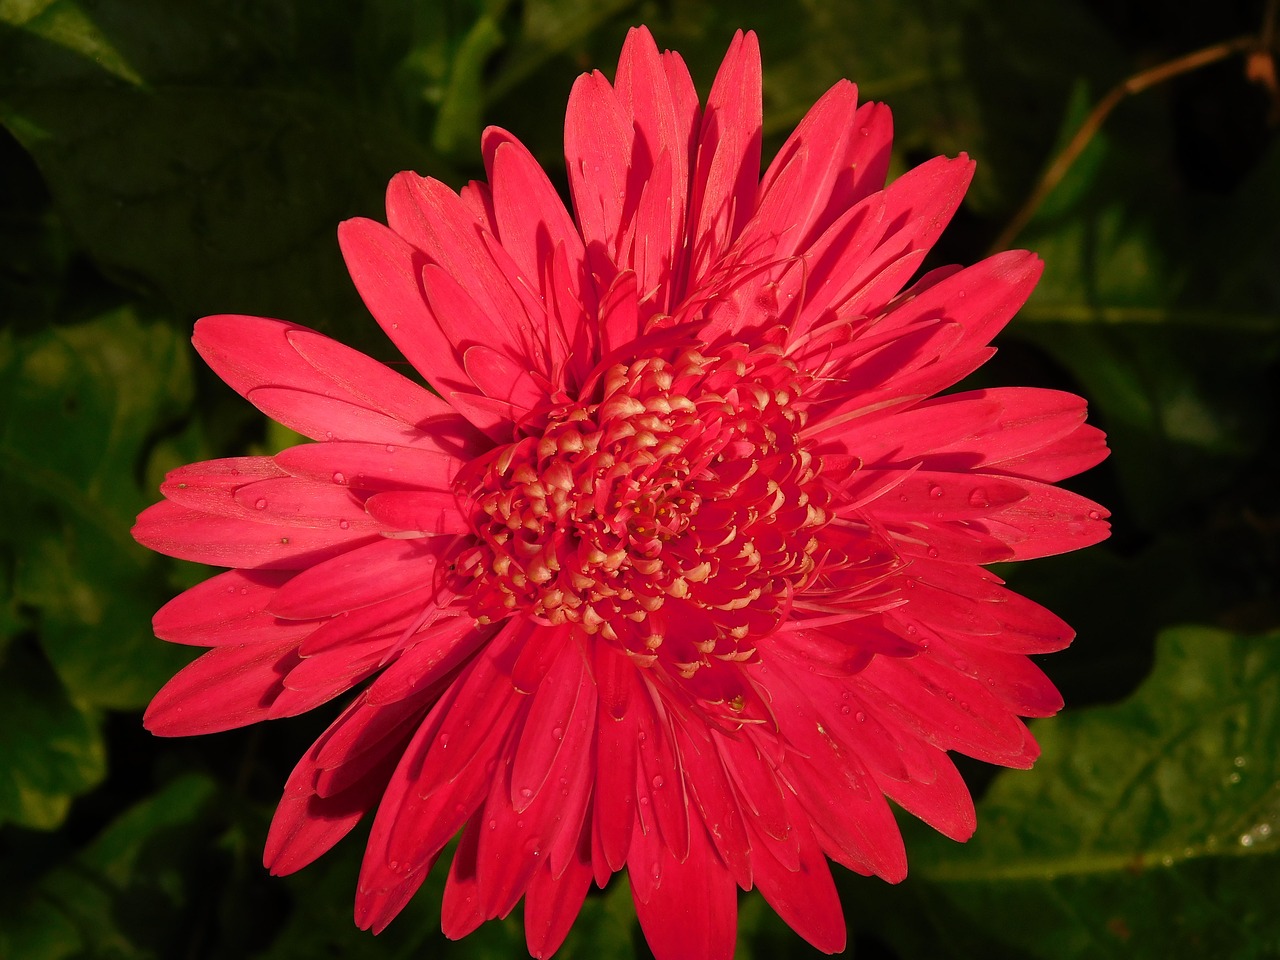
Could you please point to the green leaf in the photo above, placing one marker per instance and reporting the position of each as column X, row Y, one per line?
column 206, row 152
column 80, row 406
column 50, row 749
column 126, row 894
column 1165, row 315
column 1145, row 829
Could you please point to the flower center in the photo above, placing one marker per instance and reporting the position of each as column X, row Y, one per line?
column 675, row 516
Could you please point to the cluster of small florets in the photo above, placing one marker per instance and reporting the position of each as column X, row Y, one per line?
column 685, row 481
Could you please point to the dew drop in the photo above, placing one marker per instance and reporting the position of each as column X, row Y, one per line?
column 231, row 589
column 394, row 864
column 935, row 490
column 1239, row 761
column 343, row 525
column 644, row 801
column 328, row 434
column 1166, row 860
column 658, row 783
column 444, row 741
column 1246, row 840
column 845, row 709
column 1094, row 515
column 860, row 717
column 526, row 793
column 261, row 504
column 932, row 551
column 1263, row 830
column 557, row 733
column 1234, row 778
column 978, row 498
column 340, row 478
column 912, row 630
column 391, row 448
column 244, row 591
column 493, row 824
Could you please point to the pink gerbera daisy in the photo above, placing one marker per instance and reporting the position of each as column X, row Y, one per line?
column 677, row 568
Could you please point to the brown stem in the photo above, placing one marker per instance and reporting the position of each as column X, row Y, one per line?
column 1135, row 84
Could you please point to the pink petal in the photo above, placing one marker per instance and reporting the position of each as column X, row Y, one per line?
column 692, row 910
column 553, row 902
column 597, row 151
column 228, row 687
column 616, row 739
column 227, row 609
column 371, row 466
column 234, row 542
column 252, row 353
column 362, row 576
column 387, row 272
column 805, row 898
column 727, row 167
column 306, row 824
column 432, row 218
column 461, row 911
column 431, row 512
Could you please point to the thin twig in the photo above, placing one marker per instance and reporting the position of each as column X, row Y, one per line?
column 1137, row 83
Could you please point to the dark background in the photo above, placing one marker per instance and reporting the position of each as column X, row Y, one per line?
column 161, row 161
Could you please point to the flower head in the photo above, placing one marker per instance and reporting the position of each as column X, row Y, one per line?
column 679, row 570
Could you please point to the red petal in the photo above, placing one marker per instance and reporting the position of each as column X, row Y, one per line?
column 362, row 576
column 227, row 687
column 227, row 609
column 371, row 466
column 728, row 159
column 692, row 910
column 553, row 902
column 234, row 542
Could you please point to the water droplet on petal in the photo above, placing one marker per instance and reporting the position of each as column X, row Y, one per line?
column 658, row 783
column 391, row 448
column 860, row 717
column 444, row 741
column 1246, row 840
column 261, row 504
column 394, row 864
column 339, row 478
column 935, row 490
column 526, row 793
column 343, row 525
column 1239, row 761
column 557, row 733
column 978, row 498
column 493, row 824
column 932, row 551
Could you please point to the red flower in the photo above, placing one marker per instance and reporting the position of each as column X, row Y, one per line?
column 681, row 571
